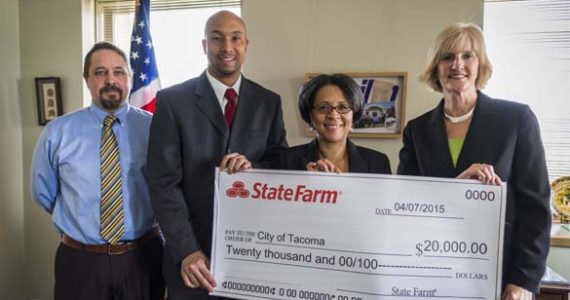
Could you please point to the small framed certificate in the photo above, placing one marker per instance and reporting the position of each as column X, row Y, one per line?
column 48, row 97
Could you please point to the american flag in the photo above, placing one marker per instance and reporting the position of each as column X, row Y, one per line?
column 145, row 74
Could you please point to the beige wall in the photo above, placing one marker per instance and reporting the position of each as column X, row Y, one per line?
column 52, row 39
column 11, row 177
column 288, row 38
column 324, row 36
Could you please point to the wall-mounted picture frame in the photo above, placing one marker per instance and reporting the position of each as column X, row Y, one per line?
column 383, row 115
column 48, row 97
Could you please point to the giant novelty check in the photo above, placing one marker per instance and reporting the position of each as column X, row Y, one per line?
column 318, row 236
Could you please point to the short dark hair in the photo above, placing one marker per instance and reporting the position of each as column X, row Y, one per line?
column 101, row 46
column 347, row 85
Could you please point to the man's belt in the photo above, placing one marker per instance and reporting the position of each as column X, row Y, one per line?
column 110, row 249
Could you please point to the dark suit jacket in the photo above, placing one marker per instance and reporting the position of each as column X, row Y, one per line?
column 188, row 139
column 360, row 159
column 506, row 135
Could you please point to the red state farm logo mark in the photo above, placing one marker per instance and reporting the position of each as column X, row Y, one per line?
column 298, row 193
column 237, row 189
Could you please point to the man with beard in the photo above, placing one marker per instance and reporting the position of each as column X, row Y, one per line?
column 217, row 119
column 89, row 173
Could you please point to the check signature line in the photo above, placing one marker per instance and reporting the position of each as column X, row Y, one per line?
column 330, row 249
column 410, row 296
column 259, row 280
column 223, row 293
column 336, row 270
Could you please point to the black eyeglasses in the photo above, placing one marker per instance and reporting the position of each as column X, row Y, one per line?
column 325, row 108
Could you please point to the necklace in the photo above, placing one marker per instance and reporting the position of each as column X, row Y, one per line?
column 460, row 118
column 340, row 162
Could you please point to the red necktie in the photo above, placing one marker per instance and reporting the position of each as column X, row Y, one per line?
column 230, row 109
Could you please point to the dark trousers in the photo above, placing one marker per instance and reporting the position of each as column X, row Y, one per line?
column 177, row 290
column 136, row 274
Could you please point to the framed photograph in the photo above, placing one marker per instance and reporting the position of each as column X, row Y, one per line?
column 48, row 96
column 384, row 104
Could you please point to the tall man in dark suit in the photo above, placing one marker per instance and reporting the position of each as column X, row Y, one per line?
column 197, row 127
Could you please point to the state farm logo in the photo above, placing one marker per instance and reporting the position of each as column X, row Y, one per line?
column 237, row 189
column 299, row 193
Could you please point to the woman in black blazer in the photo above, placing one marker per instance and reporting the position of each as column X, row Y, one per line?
column 330, row 104
column 470, row 135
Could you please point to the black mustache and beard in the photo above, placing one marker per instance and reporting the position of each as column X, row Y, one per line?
column 111, row 102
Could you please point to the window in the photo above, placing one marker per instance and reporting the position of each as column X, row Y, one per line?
column 529, row 46
column 177, row 29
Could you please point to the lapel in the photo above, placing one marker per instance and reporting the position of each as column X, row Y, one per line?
column 483, row 122
column 209, row 105
column 311, row 152
column 246, row 108
column 436, row 135
column 355, row 162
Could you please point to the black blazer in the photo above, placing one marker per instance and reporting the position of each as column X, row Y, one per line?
column 506, row 135
column 188, row 139
column 360, row 159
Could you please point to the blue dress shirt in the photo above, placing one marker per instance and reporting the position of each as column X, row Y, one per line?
column 66, row 178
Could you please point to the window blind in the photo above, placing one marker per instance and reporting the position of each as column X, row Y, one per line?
column 529, row 46
column 177, row 29
column 107, row 11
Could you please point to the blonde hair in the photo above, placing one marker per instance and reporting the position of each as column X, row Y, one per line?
column 456, row 37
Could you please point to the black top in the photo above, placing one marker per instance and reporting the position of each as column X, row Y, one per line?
column 360, row 159
column 506, row 135
column 188, row 138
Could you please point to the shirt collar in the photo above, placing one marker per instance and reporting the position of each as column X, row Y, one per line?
column 220, row 88
column 99, row 114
